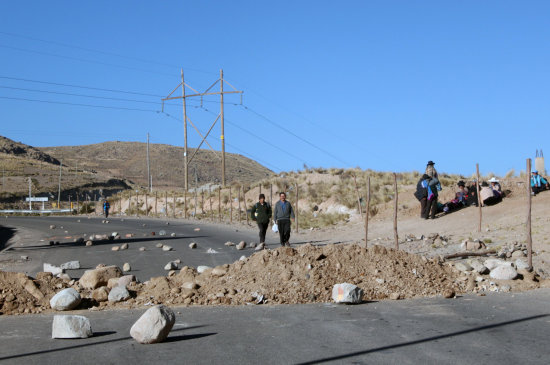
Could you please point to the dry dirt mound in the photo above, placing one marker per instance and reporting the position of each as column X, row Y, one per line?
column 305, row 275
column 281, row 276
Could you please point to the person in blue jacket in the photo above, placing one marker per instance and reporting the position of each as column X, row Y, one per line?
column 538, row 183
column 106, row 207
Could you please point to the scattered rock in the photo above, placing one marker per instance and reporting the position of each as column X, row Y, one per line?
column 463, row 266
column 241, row 245
column 55, row 270
column 505, row 288
column 154, row 325
column 172, row 265
column 211, row 250
column 229, row 243
column 347, row 293
column 493, row 263
column 71, row 327
column 162, row 232
column 142, row 248
column 52, row 226
column 478, row 266
column 395, row 296
column 65, row 300
column 92, row 279
column 503, row 272
column 115, row 248
column 521, row 264
column 242, row 258
column 159, row 245
column 124, row 246
column 64, row 277
column 126, row 280
column 261, row 246
column 100, row 294
column 166, row 248
column 253, row 244
column 71, row 265
column 119, row 294
column 89, row 243
column 172, row 235
column 197, row 229
column 517, row 254
column 448, row 293
column 192, row 245
column 190, row 285
column 126, row 267
column 219, row 271
column 202, row 268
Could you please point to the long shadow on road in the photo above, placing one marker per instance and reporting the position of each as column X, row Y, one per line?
column 5, row 235
column 423, row 340
column 169, row 339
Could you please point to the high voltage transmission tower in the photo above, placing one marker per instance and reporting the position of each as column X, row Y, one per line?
column 184, row 96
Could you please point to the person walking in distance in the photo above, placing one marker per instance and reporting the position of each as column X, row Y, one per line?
column 261, row 213
column 106, row 207
column 283, row 214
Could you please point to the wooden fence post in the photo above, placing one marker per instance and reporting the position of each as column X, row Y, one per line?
column 239, row 199
column 137, row 205
column 219, row 204
column 230, row 206
column 174, row 207
column 166, row 203
column 528, row 225
column 367, row 212
column 395, row 212
column 479, row 202
column 146, row 206
column 210, row 200
column 358, row 197
column 156, row 202
column 245, row 210
column 297, row 214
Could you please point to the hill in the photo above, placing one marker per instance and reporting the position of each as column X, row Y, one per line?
column 10, row 147
column 127, row 160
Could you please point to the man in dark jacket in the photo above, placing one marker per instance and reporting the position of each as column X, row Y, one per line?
column 261, row 213
column 283, row 214
column 422, row 195
column 106, row 207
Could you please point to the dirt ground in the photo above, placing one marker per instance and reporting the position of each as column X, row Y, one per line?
column 320, row 258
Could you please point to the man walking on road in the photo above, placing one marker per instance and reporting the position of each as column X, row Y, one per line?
column 106, row 207
column 283, row 214
column 261, row 213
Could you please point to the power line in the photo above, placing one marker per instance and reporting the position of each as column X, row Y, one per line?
column 99, row 51
column 78, row 104
column 295, row 135
column 81, row 95
column 258, row 137
column 83, row 60
column 78, row 86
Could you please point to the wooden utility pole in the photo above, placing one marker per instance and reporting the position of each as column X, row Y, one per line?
column 479, row 202
column 223, row 130
column 185, row 204
column 395, row 212
column 528, row 225
column 210, row 200
column 367, row 212
column 156, row 201
column 221, row 116
column 166, row 203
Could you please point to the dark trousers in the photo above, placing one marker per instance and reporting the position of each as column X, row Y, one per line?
column 106, row 211
column 538, row 189
column 431, row 208
column 423, row 211
column 284, row 230
column 263, row 230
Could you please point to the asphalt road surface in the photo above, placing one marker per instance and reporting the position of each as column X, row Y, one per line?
column 32, row 237
column 496, row 329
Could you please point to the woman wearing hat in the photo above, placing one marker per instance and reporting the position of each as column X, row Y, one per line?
column 430, row 169
column 538, row 183
column 495, row 185
column 488, row 195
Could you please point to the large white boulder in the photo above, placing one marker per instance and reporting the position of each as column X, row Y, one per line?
column 71, row 327
column 154, row 325
column 71, row 265
column 493, row 263
column 503, row 272
column 65, row 300
column 347, row 293
column 118, row 294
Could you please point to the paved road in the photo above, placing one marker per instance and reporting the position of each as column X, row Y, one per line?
column 497, row 329
column 33, row 236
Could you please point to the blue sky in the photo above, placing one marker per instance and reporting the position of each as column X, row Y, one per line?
column 386, row 85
